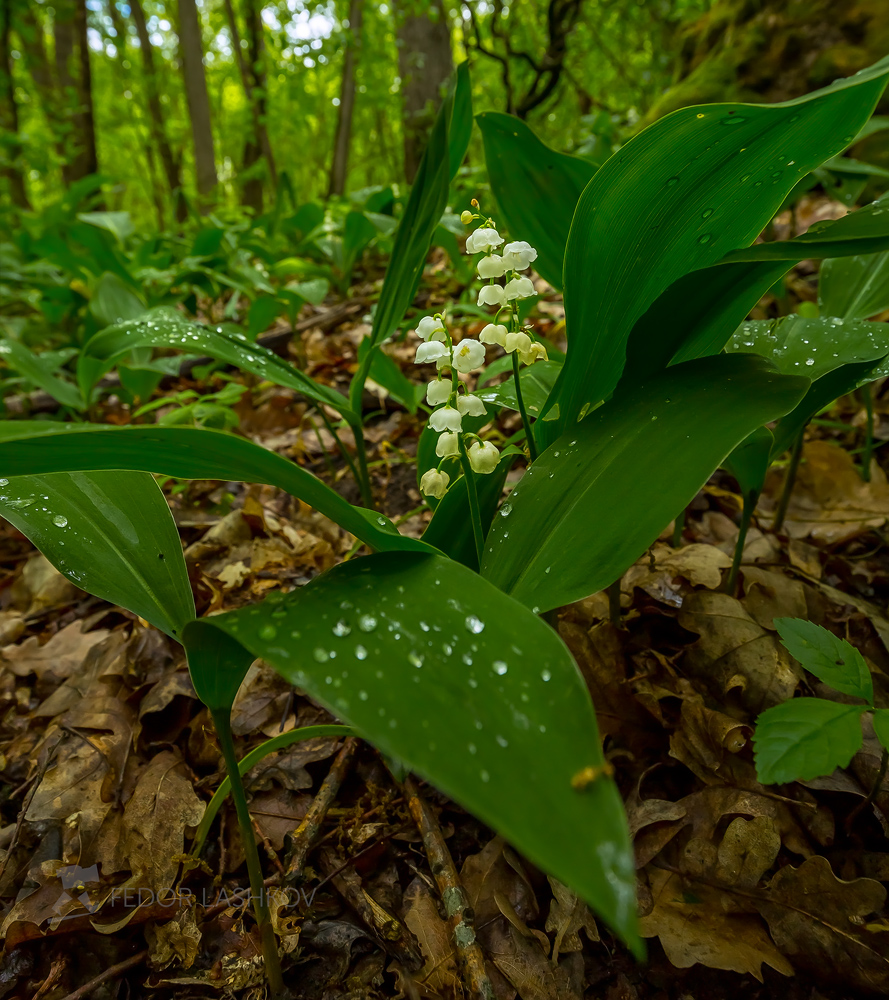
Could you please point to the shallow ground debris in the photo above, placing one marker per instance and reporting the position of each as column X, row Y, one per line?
column 107, row 758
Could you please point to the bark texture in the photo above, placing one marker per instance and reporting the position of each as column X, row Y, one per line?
column 191, row 51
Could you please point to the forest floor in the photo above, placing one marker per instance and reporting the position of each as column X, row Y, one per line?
column 107, row 756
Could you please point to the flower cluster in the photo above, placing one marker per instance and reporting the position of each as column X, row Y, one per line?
column 449, row 397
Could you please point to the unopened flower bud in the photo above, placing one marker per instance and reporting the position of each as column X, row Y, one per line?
column 466, row 217
column 483, row 457
column 447, row 445
column 434, row 483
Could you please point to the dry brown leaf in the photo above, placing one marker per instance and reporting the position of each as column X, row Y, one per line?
column 817, row 920
column 830, row 502
column 700, row 564
column 567, row 917
column 523, row 962
column 747, row 851
column 177, row 939
column 733, row 651
column 61, row 656
column 706, row 741
column 490, row 872
column 689, row 919
column 769, row 594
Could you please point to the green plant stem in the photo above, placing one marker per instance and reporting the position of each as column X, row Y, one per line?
column 270, row 957
column 868, row 452
column 472, row 493
column 871, row 795
column 790, row 478
column 678, row 528
column 750, row 501
column 362, row 481
column 614, row 603
column 529, row 434
column 328, row 461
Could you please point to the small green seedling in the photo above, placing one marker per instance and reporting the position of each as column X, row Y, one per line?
column 808, row 738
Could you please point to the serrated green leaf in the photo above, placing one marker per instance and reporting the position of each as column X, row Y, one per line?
column 805, row 738
column 438, row 668
column 111, row 534
column 831, row 659
column 881, row 726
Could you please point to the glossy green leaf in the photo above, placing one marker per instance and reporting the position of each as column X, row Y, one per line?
column 750, row 461
column 805, row 738
column 801, row 345
column 34, row 447
column 439, row 669
column 165, row 327
column 460, row 128
column 697, row 314
column 536, row 188
column 601, row 494
column 111, row 534
column 854, row 287
column 668, row 203
column 831, row 659
column 27, row 363
column 114, row 300
column 251, row 760
column 537, row 383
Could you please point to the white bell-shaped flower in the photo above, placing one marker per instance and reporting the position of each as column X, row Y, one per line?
column 444, row 362
column 519, row 255
column 520, row 342
column 434, row 350
column 483, row 457
column 493, row 333
column 470, row 406
column 519, row 288
column 434, row 483
column 483, row 240
column 448, row 444
column 492, row 267
column 492, row 295
column 446, row 419
column 431, row 328
column 536, row 352
column 468, row 355
column 438, row 391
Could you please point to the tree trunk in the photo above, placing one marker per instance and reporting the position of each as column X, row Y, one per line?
column 253, row 79
column 75, row 92
column 340, row 166
column 191, row 51
column 11, row 155
column 425, row 64
column 156, row 114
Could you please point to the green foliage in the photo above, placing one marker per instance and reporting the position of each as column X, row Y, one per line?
column 808, row 738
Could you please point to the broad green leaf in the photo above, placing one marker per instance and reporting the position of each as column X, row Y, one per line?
column 801, row 345
column 460, row 129
column 439, row 669
column 118, row 223
column 831, row 659
column 113, row 300
column 854, row 287
column 881, row 726
column 111, row 534
column 251, row 760
column 29, row 364
column 679, row 196
column 697, row 314
column 601, row 494
column 537, row 383
column 387, row 374
column 536, row 188
column 34, row 447
column 750, row 461
column 805, row 738
column 165, row 327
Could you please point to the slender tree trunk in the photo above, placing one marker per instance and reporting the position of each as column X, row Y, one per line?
column 425, row 64
column 253, row 79
column 11, row 149
column 75, row 89
column 191, row 52
column 157, row 126
column 340, row 166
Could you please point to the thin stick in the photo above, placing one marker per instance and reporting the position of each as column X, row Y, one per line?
column 790, row 478
column 867, row 453
column 308, row 829
column 678, row 528
column 453, row 896
column 613, row 592
column 750, row 502
column 114, row 972
column 871, row 795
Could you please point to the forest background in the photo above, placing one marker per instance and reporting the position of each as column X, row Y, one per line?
column 190, row 104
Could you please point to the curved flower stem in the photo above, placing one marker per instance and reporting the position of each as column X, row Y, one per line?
column 257, row 889
column 871, row 795
column 790, row 478
column 472, row 493
column 750, row 501
column 529, row 434
column 344, row 451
